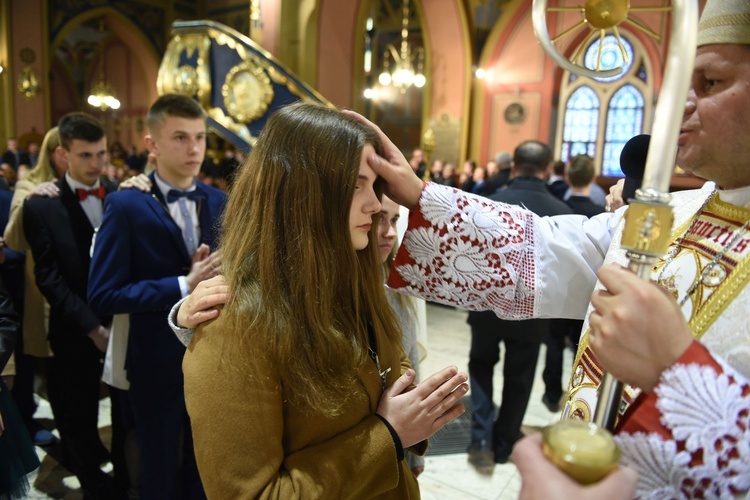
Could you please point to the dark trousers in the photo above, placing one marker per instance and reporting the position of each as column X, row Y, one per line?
column 519, row 365
column 163, row 433
column 73, row 387
column 126, row 457
column 560, row 330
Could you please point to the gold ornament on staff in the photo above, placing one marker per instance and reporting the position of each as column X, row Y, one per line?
column 587, row 451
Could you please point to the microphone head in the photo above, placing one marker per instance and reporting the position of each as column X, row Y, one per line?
column 633, row 156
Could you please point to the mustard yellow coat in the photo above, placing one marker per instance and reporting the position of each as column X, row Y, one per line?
column 251, row 442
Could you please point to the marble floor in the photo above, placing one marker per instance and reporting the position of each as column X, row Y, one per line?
column 451, row 476
column 445, row 476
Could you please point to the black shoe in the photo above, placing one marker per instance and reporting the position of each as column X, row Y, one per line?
column 102, row 489
column 502, row 453
column 552, row 404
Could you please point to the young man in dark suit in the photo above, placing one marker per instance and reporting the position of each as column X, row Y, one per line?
column 557, row 183
column 152, row 249
column 493, row 437
column 59, row 232
column 580, row 176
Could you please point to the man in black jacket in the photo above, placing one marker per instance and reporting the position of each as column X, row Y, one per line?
column 59, row 232
column 494, row 441
column 580, row 175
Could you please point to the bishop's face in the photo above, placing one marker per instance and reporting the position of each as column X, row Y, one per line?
column 714, row 141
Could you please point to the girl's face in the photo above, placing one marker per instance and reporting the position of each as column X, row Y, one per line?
column 365, row 203
column 387, row 227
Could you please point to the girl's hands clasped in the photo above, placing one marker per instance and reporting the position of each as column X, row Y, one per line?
column 417, row 412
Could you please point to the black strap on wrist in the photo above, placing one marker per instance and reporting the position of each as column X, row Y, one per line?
column 396, row 439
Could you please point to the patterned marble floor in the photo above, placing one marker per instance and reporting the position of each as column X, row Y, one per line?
column 445, row 476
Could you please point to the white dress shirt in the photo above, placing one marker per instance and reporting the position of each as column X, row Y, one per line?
column 180, row 218
column 92, row 206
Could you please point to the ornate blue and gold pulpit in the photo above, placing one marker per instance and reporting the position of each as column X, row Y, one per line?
column 237, row 82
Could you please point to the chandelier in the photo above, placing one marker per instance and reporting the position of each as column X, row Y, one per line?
column 404, row 74
column 102, row 94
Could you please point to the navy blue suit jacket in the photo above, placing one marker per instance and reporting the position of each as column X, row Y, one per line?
column 138, row 255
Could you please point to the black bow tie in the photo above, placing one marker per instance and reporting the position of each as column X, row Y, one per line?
column 175, row 194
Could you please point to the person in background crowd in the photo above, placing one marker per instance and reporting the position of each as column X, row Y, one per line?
column 403, row 306
column 449, row 175
column 14, row 156
column 579, row 175
column 465, row 178
column 556, row 182
column 417, row 162
column 436, row 171
column 33, row 153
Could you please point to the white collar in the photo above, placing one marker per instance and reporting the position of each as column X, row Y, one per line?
column 739, row 197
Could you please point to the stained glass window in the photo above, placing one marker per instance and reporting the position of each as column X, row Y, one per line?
column 611, row 57
column 581, row 123
column 624, row 120
column 599, row 115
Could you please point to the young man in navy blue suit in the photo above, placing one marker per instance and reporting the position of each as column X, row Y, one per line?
column 59, row 232
column 152, row 249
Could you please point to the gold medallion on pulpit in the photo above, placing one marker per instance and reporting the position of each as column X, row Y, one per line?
column 247, row 91
column 186, row 80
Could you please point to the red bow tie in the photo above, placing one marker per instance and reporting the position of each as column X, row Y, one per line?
column 85, row 193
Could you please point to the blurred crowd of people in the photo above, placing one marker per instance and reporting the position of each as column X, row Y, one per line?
column 218, row 168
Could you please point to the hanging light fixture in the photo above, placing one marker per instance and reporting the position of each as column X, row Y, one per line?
column 404, row 75
column 102, row 94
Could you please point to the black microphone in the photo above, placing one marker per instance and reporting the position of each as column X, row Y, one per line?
column 633, row 164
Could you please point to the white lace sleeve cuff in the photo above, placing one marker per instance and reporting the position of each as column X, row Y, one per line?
column 478, row 254
column 698, row 442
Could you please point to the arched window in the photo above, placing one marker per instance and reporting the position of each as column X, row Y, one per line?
column 581, row 123
column 620, row 103
column 624, row 120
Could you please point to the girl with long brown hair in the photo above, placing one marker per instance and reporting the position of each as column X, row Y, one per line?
column 300, row 387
